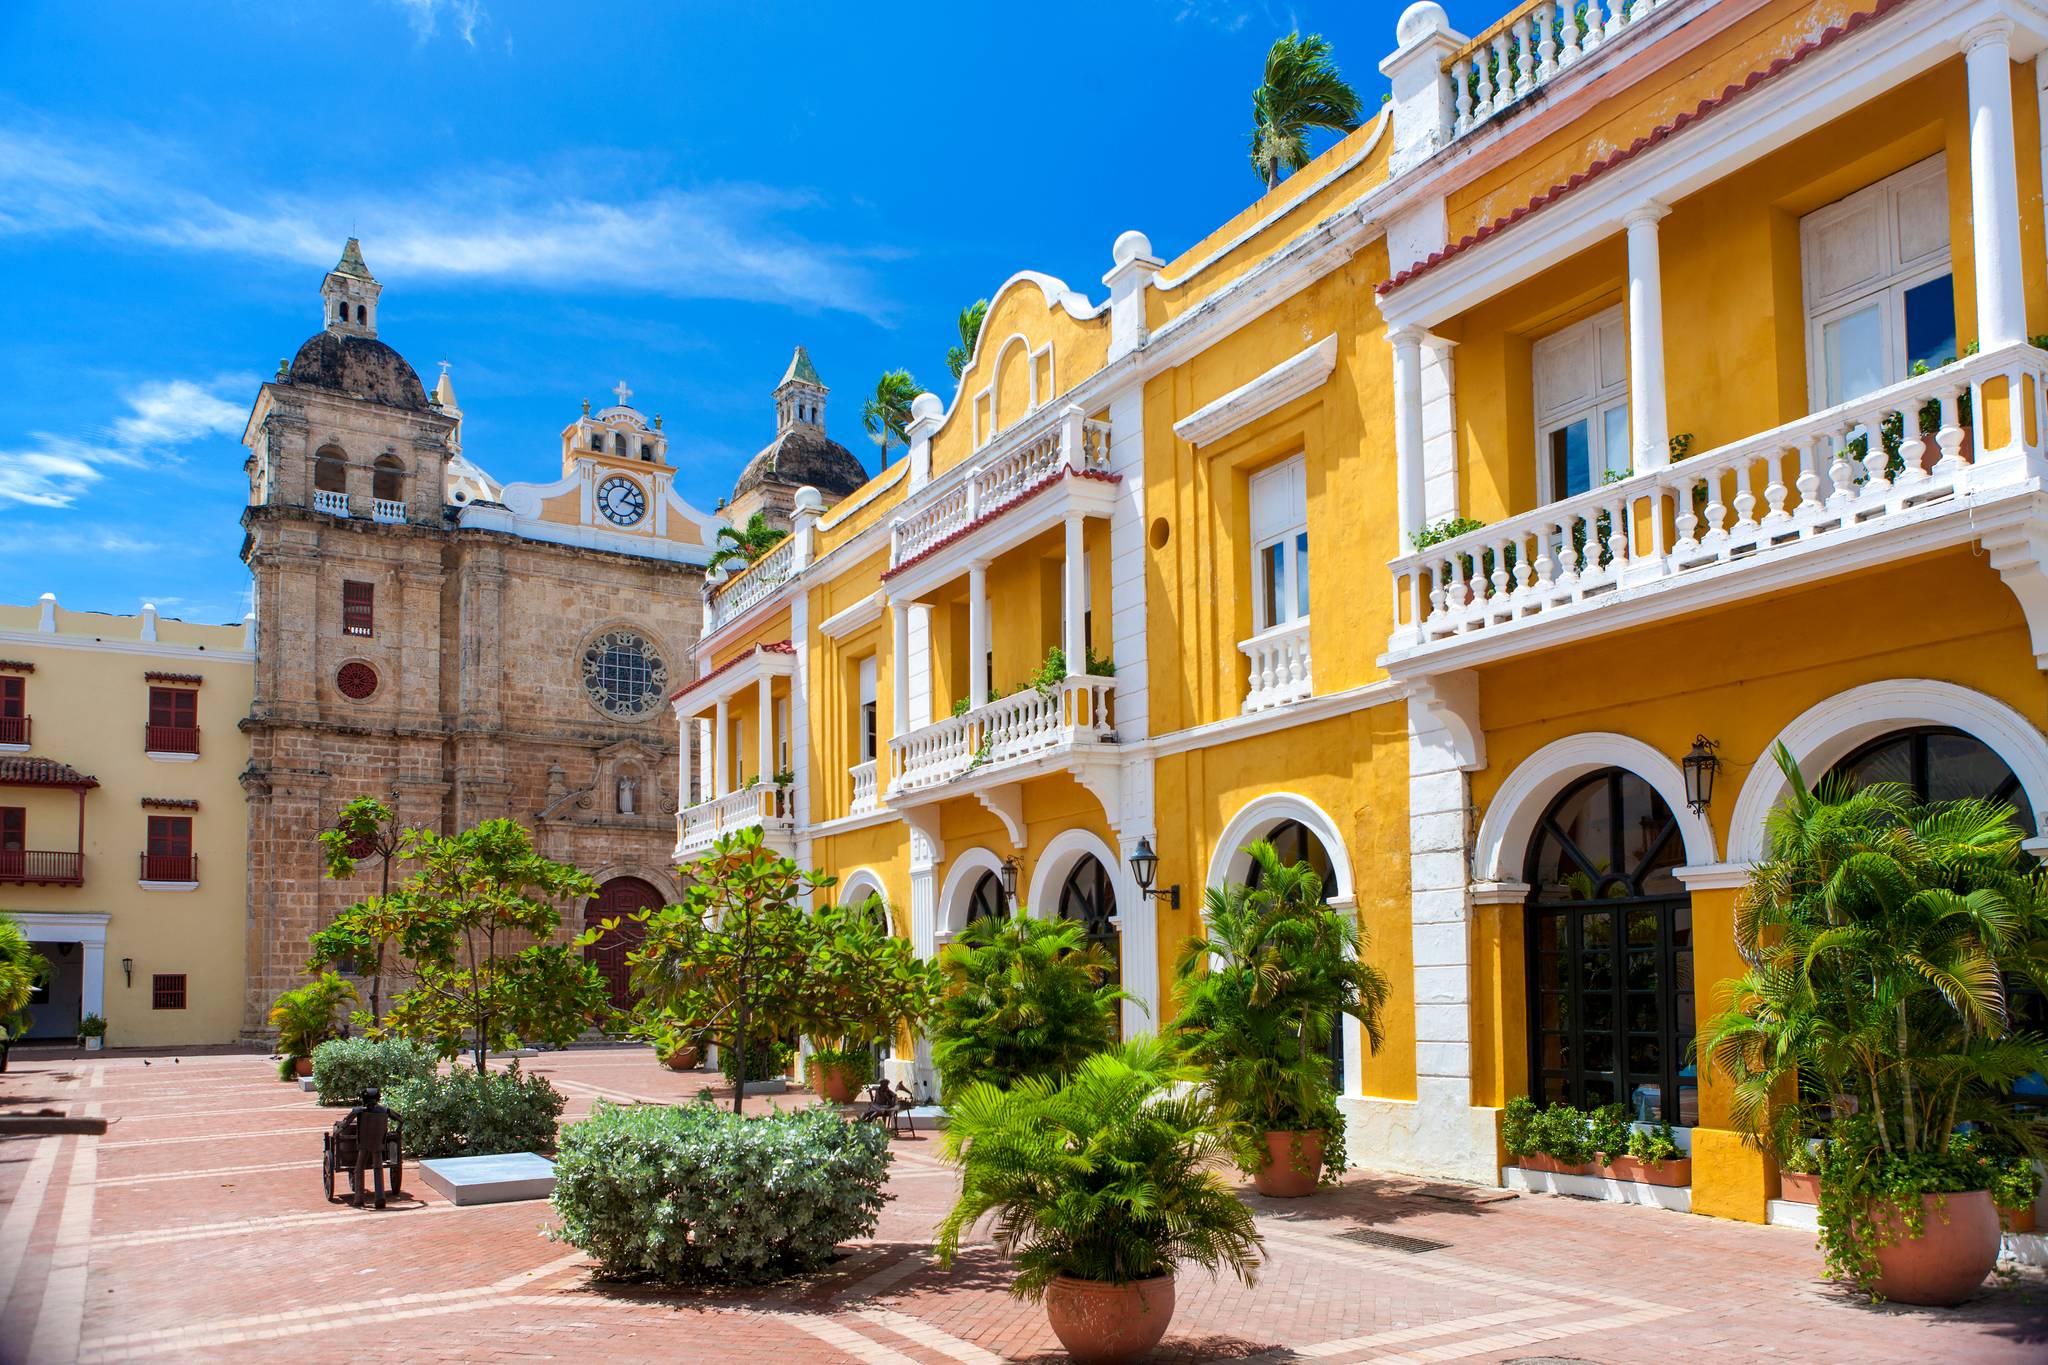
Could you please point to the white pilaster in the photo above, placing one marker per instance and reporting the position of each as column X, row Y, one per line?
column 1407, row 431
column 1649, row 428
column 1075, row 598
column 1138, row 929
column 1994, row 186
column 977, row 633
column 800, row 721
column 92, row 986
column 927, row 415
column 899, row 666
column 1418, row 95
column 1128, row 559
column 926, row 852
column 148, row 621
column 1440, row 496
column 1134, row 267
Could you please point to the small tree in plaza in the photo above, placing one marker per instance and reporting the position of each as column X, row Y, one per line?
column 727, row 965
column 1024, row 997
column 860, row 985
column 365, row 934
column 478, row 918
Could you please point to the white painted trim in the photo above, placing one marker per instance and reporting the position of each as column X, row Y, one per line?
column 861, row 879
column 475, row 518
column 159, row 756
column 1228, row 862
column 1299, row 374
column 1231, row 729
column 63, row 926
column 168, row 886
column 1057, row 859
column 873, row 489
column 50, row 640
column 524, row 500
column 1510, row 819
column 1676, row 1198
column 961, row 879
column 862, row 613
column 1828, row 731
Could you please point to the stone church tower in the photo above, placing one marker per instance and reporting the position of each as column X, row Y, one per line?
column 463, row 648
column 801, row 455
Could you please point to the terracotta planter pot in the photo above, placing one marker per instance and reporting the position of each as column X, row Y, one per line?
column 1283, row 1177
column 834, row 1084
column 1799, row 1187
column 684, row 1059
column 1677, row 1171
column 1106, row 1324
column 1541, row 1161
column 302, row 1066
column 1948, row 1261
column 2017, row 1220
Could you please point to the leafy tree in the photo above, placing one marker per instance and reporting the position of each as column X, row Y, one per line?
column 479, row 915
column 727, row 965
column 860, row 983
column 364, row 933
column 744, row 545
column 22, row 970
column 1025, row 997
column 1301, row 91
column 887, row 415
column 1882, row 938
column 1108, row 1175
column 1260, row 992
column 971, row 317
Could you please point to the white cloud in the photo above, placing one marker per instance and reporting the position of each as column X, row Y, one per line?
column 55, row 469
column 425, row 17
column 551, row 230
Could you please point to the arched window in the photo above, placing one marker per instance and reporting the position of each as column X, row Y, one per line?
column 362, row 313
column 1295, row 842
column 988, row 901
column 341, row 310
column 1088, row 898
column 618, row 443
column 596, row 441
column 330, row 470
column 387, row 479
column 1939, row 764
column 1609, row 953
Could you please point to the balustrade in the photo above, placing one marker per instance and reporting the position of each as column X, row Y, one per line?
column 771, row 806
column 1279, row 660
column 1531, row 45
column 864, row 794
column 1007, row 730
column 334, row 504
column 387, row 511
column 755, row 583
column 988, row 485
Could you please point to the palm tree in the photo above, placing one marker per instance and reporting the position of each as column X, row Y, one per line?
column 747, row 544
column 1024, row 997
column 1302, row 90
column 971, row 317
column 887, row 414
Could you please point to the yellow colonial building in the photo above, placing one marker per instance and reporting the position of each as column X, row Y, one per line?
column 1642, row 384
column 123, row 828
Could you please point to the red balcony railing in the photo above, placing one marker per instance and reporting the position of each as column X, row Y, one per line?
column 171, row 739
column 170, row 867
column 18, row 865
column 13, row 729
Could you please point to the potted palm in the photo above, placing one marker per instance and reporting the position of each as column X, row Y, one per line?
column 22, row 971
column 305, row 1017
column 1878, row 937
column 1260, row 992
column 1100, row 1186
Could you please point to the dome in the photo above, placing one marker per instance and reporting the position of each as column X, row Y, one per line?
column 804, row 455
column 358, row 367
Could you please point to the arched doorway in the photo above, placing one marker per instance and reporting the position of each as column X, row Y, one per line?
column 986, row 900
column 1610, row 952
column 1295, row 842
column 618, row 898
column 1088, row 897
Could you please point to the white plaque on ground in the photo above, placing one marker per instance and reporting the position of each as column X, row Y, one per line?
column 490, row 1179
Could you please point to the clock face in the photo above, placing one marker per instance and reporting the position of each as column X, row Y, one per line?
column 621, row 501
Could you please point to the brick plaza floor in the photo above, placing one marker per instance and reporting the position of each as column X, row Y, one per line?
column 196, row 1230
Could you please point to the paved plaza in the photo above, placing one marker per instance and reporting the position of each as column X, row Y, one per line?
column 196, row 1230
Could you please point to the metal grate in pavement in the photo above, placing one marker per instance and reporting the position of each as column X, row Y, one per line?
column 1392, row 1241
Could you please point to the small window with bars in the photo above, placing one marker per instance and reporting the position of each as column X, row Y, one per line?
column 358, row 608
column 167, row 991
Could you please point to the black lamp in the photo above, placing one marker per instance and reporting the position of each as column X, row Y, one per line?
column 128, row 969
column 1700, row 766
column 1145, row 867
column 1009, row 875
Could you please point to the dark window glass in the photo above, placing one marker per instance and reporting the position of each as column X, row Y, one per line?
column 1570, row 465
column 1088, row 898
column 175, row 706
column 13, row 698
column 1931, row 323
column 987, row 902
column 13, row 828
column 1294, row 843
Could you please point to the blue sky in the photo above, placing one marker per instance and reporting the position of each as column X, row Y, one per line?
column 555, row 197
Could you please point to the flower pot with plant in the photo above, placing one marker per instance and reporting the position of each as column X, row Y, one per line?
column 1100, row 1185
column 1557, row 1140
column 92, row 1031
column 1261, row 990
column 861, row 984
column 1653, row 1158
column 1878, row 937
column 305, row 1017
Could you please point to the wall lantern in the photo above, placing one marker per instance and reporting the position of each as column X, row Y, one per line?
column 128, row 969
column 1009, row 875
column 1145, row 867
column 1700, row 767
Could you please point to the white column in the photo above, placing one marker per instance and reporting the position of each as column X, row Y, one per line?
column 686, row 760
column 721, row 762
column 92, row 985
column 1994, row 187
column 764, row 694
column 1407, row 432
column 1649, row 428
column 1076, row 598
column 899, row 666
column 706, row 767
column 977, row 634
column 1138, row 934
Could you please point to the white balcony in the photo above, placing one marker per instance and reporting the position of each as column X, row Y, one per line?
column 864, row 794
column 387, row 511
column 1076, row 715
column 334, row 504
column 768, row 807
column 1521, row 53
column 1896, row 473
column 753, row 585
column 1015, row 465
column 1279, row 666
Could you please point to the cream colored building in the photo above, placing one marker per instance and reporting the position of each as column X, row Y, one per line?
column 123, row 829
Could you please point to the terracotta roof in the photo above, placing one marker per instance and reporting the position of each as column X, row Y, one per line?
column 193, row 678
column 1657, row 135
column 42, row 772
column 772, row 647
column 985, row 518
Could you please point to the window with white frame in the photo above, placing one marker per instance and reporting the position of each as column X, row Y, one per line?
column 1580, row 377
column 866, row 727
column 1879, row 286
column 1279, row 532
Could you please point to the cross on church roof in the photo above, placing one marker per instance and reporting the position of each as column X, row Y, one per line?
column 623, row 392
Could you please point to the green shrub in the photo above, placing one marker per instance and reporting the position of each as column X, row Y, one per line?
column 767, row 1060
column 1562, row 1133
column 469, row 1114
column 1518, row 1126
column 697, row 1194
column 1025, row 997
column 344, row 1067
column 1607, row 1130
column 1654, row 1144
